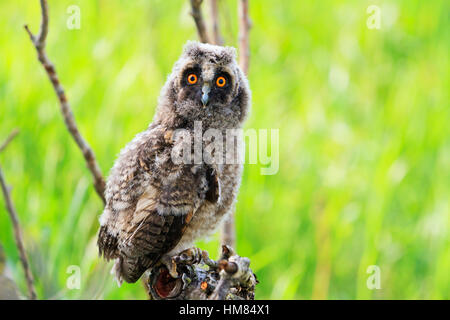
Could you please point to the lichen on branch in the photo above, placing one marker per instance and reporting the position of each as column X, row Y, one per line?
column 200, row 278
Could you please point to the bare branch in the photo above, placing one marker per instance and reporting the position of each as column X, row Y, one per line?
column 228, row 235
column 44, row 24
column 217, row 37
column 11, row 136
column 244, row 28
column 39, row 44
column 199, row 22
column 16, row 225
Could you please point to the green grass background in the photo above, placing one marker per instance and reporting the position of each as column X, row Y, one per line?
column 363, row 117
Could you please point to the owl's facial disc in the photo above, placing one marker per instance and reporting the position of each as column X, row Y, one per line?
column 206, row 87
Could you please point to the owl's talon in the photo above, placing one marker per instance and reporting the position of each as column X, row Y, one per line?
column 171, row 266
column 189, row 256
column 181, row 258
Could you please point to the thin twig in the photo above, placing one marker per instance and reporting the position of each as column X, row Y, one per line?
column 199, row 22
column 217, row 37
column 11, row 136
column 16, row 225
column 244, row 28
column 39, row 43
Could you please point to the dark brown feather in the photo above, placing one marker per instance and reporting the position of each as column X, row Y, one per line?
column 152, row 238
column 212, row 194
column 107, row 244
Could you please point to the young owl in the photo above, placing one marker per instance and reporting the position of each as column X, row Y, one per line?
column 157, row 207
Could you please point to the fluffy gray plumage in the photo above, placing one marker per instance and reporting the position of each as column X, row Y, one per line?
column 156, row 208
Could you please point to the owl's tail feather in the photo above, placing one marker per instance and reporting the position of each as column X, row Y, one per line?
column 107, row 244
column 129, row 269
column 116, row 271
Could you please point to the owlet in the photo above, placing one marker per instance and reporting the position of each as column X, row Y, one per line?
column 176, row 181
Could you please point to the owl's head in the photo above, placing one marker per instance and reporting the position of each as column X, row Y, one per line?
column 206, row 84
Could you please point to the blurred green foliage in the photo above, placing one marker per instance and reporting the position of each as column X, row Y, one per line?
column 363, row 117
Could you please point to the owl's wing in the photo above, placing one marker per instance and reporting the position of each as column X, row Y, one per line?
column 154, row 228
column 151, row 233
column 145, row 235
column 137, row 237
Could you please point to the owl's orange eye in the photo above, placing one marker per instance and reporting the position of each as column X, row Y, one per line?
column 221, row 82
column 192, row 78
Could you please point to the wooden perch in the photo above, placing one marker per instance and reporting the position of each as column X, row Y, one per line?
column 39, row 43
column 199, row 22
column 229, row 278
column 16, row 225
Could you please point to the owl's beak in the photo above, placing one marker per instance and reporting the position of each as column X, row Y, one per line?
column 205, row 94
